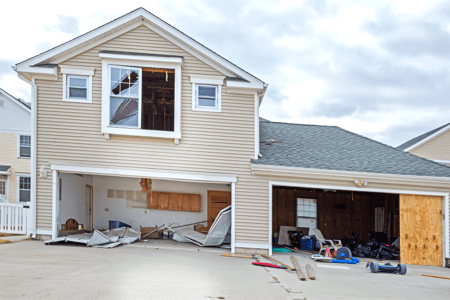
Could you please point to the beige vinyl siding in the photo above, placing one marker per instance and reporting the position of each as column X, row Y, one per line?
column 437, row 148
column 8, row 157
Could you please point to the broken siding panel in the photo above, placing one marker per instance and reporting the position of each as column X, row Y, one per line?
column 436, row 148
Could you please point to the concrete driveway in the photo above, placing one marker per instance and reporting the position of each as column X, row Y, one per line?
column 32, row 270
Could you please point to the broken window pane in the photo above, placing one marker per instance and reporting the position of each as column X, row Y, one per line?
column 158, row 99
column 124, row 112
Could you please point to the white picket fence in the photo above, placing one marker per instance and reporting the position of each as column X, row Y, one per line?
column 13, row 218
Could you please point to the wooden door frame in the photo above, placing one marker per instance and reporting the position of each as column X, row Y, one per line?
column 92, row 205
column 445, row 203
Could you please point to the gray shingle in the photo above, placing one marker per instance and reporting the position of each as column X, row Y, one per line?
column 417, row 139
column 4, row 168
column 333, row 148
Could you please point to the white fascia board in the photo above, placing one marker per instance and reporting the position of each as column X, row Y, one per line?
column 37, row 70
column 5, row 173
column 441, row 161
column 75, row 70
column 347, row 175
column 156, row 174
column 434, row 135
column 207, row 79
column 241, row 91
column 162, row 59
column 243, row 84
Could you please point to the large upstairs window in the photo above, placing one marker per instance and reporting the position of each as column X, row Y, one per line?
column 141, row 98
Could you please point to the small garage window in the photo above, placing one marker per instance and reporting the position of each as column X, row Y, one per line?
column 306, row 212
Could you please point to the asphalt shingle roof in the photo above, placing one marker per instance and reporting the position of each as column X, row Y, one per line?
column 333, row 148
column 419, row 138
column 4, row 168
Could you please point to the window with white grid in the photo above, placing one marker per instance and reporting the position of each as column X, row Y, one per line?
column 24, row 188
column 306, row 208
column 25, row 146
column 3, row 185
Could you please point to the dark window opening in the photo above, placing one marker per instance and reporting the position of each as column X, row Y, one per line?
column 158, row 99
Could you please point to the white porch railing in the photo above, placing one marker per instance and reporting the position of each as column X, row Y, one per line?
column 13, row 218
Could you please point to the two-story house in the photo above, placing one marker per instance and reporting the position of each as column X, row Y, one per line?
column 15, row 149
column 138, row 99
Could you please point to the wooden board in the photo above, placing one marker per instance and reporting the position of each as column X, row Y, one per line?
column 175, row 201
column 163, row 201
column 184, row 202
column 152, row 200
column 421, row 230
column 194, row 203
column 217, row 200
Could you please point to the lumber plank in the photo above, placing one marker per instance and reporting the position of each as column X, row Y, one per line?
column 310, row 272
column 300, row 274
column 277, row 262
column 436, row 276
column 237, row 255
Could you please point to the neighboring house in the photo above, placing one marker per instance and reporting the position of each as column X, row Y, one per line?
column 433, row 145
column 138, row 99
column 15, row 149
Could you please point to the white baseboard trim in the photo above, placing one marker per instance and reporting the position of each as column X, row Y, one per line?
column 256, row 246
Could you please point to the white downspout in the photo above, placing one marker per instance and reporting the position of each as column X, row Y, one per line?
column 33, row 149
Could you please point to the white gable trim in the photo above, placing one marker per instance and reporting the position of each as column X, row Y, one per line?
column 427, row 139
column 155, row 22
column 11, row 98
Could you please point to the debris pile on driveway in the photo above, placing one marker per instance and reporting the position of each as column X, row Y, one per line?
column 373, row 248
column 106, row 239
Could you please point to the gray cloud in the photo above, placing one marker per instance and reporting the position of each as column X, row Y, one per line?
column 66, row 24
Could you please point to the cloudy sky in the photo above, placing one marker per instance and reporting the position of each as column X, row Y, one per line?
column 377, row 68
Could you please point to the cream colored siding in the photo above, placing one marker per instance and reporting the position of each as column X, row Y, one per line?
column 437, row 148
column 8, row 157
column 211, row 142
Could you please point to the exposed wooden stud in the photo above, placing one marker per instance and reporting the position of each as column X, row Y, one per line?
column 277, row 262
column 310, row 272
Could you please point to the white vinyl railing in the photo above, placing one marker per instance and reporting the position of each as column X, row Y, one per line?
column 13, row 218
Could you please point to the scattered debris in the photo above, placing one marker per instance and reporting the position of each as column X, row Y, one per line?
column 257, row 263
column 436, row 276
column 300, row 274
column 107, row 239
column 387, row 268
column 373, row 248
column 277, row 262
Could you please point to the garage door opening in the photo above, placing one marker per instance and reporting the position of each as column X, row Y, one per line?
column 415, row 219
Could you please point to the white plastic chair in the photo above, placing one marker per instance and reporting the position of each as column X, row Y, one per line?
column 332, row 244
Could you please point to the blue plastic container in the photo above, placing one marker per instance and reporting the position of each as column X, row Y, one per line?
column 307, row 244
column 117, row 224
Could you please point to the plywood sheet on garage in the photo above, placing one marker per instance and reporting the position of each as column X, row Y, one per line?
column 421, row 230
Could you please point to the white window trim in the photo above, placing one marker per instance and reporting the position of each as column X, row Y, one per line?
column 217, row 81
column 6, row 186
column 19, row 175
column 18, row 145
column 107, row 129
column 81, row 72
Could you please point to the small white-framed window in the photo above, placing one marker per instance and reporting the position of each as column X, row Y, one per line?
column 24, row 194
column 306, row 212
column 3, row 188
column 207, row 97
column 77, row 83
column 77, row 88
column 24, row 146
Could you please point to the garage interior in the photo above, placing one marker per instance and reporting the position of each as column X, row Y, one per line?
column 337, row 213
column 415, row 219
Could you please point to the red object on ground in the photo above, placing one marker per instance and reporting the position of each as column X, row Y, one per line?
column 266, row 265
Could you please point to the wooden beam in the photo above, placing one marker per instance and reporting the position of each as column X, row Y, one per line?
column 300, row 274
column 310, row 272
column 277, row 262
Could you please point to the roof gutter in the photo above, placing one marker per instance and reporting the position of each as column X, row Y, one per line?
column 310, row 173
column 33, row 150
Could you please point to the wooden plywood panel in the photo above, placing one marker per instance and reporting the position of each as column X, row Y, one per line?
column 291, row 208
column 282, row 219
column 194, row 203
column 163, row 201
column 421, row 230
column 217, row 200
column 175, row 201
column 275, row 225
column 184, row 202
column 152, row 200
